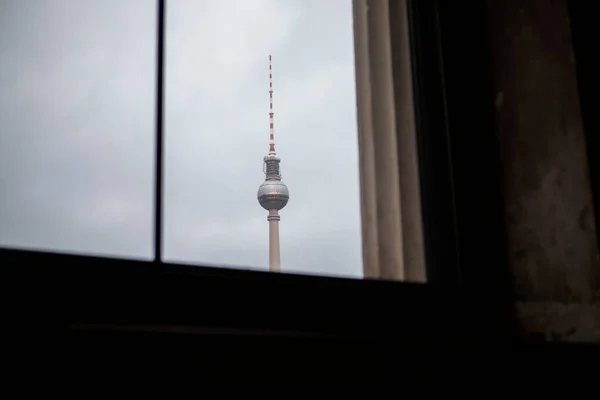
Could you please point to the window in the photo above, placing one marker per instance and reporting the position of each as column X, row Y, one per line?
column 176, row 294
column 152, row 295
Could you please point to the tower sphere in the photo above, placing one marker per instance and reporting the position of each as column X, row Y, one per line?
column 273, row 195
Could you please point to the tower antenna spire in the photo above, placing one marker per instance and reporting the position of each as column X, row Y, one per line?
column 271, row 112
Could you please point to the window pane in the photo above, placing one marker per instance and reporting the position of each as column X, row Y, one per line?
column 77, row 125
column 217, row 133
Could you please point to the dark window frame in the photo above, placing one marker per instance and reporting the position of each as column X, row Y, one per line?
column 81, row 291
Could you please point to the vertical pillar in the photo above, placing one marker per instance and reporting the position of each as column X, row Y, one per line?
column 408, row 163
column 368, row 194
column 549, row 213
column 389, row 184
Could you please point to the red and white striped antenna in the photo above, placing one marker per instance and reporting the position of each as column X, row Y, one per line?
column 271, row 113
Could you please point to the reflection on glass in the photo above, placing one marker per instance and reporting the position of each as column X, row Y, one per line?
column 217, row 133
column 77, row 125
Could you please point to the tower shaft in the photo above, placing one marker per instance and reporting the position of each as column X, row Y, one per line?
column 274, row 252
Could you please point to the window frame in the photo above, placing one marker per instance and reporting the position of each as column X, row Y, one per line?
column 83, row 292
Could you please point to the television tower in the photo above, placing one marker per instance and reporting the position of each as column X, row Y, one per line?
column 273, row 194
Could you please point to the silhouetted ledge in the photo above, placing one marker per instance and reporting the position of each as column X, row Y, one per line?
column 78, row 291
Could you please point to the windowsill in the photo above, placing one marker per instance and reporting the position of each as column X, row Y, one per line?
column 75, row 290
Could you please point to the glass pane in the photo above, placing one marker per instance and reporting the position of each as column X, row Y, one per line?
column 217, row 133
column 77, row 125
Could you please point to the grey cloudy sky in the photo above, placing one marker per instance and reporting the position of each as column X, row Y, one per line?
column 77, row 129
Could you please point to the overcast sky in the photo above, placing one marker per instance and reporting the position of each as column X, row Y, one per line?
column 77, row 130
